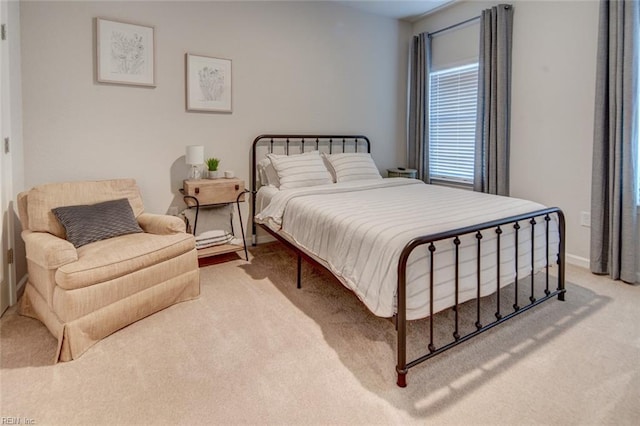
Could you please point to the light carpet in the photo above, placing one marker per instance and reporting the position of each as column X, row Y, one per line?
column 253, row 349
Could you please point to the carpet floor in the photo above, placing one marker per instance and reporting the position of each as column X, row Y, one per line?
column 253, row 349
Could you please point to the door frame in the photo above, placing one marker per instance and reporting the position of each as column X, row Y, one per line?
column 6, row 172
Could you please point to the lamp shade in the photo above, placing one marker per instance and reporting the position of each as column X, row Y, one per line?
column 195, row 154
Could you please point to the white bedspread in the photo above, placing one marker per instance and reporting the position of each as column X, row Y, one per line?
column 360, row 228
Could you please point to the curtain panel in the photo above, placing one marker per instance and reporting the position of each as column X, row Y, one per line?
column 614, row 209
column 493, row 126
column 418, row 120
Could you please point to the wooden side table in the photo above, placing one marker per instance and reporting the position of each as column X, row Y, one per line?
column 203, row 193
column 407, row 173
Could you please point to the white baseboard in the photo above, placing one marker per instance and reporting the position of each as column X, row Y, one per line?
column 584, row 263
column 261, row 239
column 20, row 286
column 22, row 283
column 577, row 261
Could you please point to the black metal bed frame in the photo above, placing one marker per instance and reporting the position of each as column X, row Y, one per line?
column 495, row 226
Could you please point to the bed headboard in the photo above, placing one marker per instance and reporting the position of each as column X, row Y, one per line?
column 297, row 144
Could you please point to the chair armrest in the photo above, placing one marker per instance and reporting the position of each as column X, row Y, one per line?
column 47, row 250
column 161, row 224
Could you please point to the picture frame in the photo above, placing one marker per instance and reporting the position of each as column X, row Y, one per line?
column 125, row 53
column 208, row 83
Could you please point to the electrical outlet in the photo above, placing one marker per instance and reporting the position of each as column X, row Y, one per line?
column 585, row 219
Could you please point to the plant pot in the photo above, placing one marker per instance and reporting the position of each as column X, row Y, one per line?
column 213, row 174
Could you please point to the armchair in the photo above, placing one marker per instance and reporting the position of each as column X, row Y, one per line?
column 83, row 294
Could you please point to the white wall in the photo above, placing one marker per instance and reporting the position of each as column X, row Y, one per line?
column 297, row 67
column 554, row 66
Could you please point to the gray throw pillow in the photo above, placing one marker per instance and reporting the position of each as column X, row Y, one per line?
column 86, row 224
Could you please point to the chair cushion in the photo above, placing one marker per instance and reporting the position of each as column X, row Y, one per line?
column 85, row 224
column 114, row 257
column 43, row 198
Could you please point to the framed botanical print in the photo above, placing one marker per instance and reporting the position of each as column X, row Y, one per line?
column 125, row 53
column 208, row 83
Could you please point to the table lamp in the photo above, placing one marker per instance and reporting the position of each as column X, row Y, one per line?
column 195, row 158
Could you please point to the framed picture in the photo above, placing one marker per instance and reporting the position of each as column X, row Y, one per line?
column 125, row 53
column 208, row 83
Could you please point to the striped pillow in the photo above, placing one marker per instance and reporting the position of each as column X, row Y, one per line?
column 300, row 170
column 267, row 173
column 353, row 166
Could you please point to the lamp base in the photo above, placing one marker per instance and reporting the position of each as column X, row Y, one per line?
column 195, row 173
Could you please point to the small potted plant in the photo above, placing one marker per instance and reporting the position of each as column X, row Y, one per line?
column 212, row 165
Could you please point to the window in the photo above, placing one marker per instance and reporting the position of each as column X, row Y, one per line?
column 453, row 94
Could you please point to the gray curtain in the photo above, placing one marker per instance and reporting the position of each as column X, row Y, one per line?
column 418, row 120
column 614, row 220
column 491, row 172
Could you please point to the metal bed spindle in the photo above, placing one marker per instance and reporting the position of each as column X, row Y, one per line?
column 456, row 333
column 516, row 228
column 546, row 234
column 478, row 280
column 533, row 255
column 498, row 234
column 432, row 249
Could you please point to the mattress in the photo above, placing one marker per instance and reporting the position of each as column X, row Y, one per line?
column 358, row 229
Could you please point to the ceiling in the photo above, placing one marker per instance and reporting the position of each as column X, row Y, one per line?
column 409, row 10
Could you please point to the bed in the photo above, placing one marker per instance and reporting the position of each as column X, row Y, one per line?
column 406, row 249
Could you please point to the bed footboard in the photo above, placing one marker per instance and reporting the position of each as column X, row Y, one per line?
column 537, row 218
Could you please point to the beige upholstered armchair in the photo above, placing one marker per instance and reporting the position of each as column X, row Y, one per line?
column 108, row 266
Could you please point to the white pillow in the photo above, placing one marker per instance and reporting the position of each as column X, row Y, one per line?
column 353, row 166
column 327, row 164
column 267, row 173
column 300, row 170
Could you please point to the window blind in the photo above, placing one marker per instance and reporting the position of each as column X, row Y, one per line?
column 453, row 95
column 456, row 47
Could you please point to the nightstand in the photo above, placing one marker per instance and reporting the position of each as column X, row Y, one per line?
column 406, row 173
column 203, row 193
